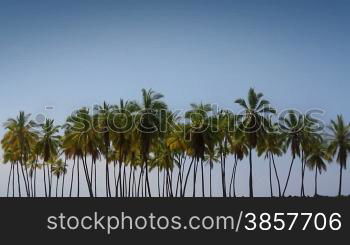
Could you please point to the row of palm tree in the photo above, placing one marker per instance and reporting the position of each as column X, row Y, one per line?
column 131, row 139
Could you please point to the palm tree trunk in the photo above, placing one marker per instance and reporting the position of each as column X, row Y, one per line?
column 13, row 180
column 35, row 182
column 316, row 182
column 302, row 175
column 108, row 192
column 95, row 178
column 71, row 180
column 223, row 177
column 158, row 173
column 49, row 181
column 64, row 176
column 188, row 173
column 45, row 179
column 130, row 175
column 147, row 180
column 251, row 192
column 139, row 181
column 78, row 168
column 340, row 179
column 278, row 180
column 87, row 176
column 25, row 181
column 290, row 170
column 195, row 168
column 57, row 178
column 210, row 177
column 202, row 170
column 270, row 175
column 18, row 182
column 9, row 180
column 115, row 178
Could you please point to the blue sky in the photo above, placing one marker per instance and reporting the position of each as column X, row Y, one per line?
column 68, row 54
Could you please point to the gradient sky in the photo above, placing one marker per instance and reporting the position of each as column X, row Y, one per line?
column 66, row 54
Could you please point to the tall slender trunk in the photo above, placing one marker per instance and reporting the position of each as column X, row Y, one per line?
column 95, row 178
column 231, row 190
column 78, row 168
column 64, row 177
column 115, row 178
column 290, row 170
column 278, row 180
column 340, row 179
column 87, row 176
column 35, row 170
column 316, row 182
column 270, row 176
column 158, row 173
column 195, row 168
column 9, row 180
column 13, row 180
column 44, row 170
column 302, row 175
column 147, row 180
column 57, row 178
column 25, row 181
column 223, row 177
column 130, row 175
column 210, row 177
column 71, row 180
column 188, row 173
column 251, row 192
column 48, row 180
column 18, row 181
column 202, row 170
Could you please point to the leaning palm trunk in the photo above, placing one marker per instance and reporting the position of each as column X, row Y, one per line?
column 290, row 170
column 147, row 180
column 13, row 180
column 71, row 180
column 9, row 181
column 188, row 173
column 233, row 178
column 25, row 181
column 87, row 176
column 278, row 180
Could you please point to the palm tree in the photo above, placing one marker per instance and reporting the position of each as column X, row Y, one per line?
column 239, row 149
column 148, row 126
column 21, row 136
column 256, row 110
column 199, row 135
column 122, row 135
column 271, row 145
column 317, row 158
column 58, row 168
column 104, row 118
column 339, row 144
column 80, row 141
column 291, row 127
column 47, row 147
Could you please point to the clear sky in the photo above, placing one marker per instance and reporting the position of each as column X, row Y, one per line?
column 67, row 54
